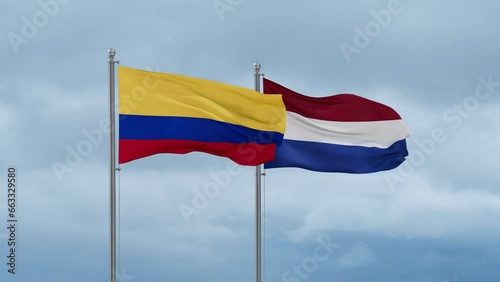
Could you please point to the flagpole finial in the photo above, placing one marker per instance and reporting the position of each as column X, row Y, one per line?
column 256, row 66
column 111, row 53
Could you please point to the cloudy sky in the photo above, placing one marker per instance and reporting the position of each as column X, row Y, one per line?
column 436, row 218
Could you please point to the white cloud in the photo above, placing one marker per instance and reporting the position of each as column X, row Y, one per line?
column 56, row 87
column 417, row 210
column 358, row 255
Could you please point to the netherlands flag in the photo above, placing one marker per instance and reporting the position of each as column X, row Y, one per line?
column 340, row 133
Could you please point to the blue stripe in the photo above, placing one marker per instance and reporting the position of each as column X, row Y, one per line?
column 137, row 127
column 325, row 157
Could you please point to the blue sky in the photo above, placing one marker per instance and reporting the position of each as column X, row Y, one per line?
column 434, row 219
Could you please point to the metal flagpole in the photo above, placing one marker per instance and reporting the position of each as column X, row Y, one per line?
column 112, row 161
column 258, row 206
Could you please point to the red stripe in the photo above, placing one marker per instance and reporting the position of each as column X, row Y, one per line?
column 341, row 107
column 251, row 154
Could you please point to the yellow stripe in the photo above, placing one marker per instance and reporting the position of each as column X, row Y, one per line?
column 159, row 94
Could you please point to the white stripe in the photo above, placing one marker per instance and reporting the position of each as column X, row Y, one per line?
column 380, row 134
